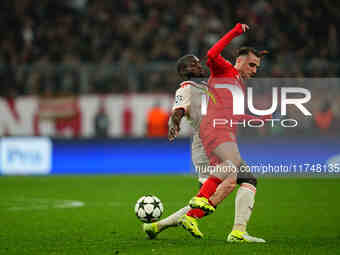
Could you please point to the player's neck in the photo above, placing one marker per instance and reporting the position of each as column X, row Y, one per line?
column 243, row 78
column 194, row 79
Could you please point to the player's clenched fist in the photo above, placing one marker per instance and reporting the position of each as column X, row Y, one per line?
column 241, row 28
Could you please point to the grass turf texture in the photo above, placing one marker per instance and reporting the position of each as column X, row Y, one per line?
column 295, row 216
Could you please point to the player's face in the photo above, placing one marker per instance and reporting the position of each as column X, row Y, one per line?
column 248, row 65
column 196, row 68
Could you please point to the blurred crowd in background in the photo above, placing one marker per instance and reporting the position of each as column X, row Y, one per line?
column 54, row 48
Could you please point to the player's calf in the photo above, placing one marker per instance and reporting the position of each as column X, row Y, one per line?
column 223, row 190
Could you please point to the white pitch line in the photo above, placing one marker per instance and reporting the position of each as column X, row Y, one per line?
column 44, row 204
column 70, row 204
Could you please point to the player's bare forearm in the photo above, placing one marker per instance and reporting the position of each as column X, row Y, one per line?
column 226, row 39
column 174, row 123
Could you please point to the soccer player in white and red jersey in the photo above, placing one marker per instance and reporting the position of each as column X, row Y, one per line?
column 220, row 142
column 188, row 104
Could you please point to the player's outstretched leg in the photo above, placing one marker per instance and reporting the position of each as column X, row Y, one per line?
column 153, row 229
column 202, row 200
column 198, row 203
column 206, row 200
column 190, row 224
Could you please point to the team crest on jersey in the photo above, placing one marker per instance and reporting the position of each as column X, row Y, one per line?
column 179, row 99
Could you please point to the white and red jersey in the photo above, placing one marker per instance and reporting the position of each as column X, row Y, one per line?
column 189, row 98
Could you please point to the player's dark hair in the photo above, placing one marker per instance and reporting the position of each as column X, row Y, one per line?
column 244, row 51
column 182, row 64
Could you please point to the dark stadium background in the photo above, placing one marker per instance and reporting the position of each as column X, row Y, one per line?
column 80, row 77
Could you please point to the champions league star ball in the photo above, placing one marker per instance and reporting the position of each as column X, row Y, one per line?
column 149, row 208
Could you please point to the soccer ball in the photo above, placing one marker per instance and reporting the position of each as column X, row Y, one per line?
column 149, row 208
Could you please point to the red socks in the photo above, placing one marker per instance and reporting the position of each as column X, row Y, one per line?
column 196, row 213
column 208, row 188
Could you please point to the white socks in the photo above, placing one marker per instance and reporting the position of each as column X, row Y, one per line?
column 172, row 220
column 244, row 202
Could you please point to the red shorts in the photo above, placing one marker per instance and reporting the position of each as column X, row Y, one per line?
column 212, row 137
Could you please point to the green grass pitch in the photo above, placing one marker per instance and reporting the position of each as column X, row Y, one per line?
column 295, row 216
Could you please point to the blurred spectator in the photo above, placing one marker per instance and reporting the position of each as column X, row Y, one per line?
column 102, row 121
column 324, row 118
column 127, row 117
column 122, row 37
column 157, row 122
column 57, row 48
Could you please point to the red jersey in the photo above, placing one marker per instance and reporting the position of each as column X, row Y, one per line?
column 222, row 72
column 220, row 104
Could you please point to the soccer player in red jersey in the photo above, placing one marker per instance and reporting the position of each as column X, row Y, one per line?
column 187, row 105
column 220, row 142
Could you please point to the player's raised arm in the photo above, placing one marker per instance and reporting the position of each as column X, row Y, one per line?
column 217, row 48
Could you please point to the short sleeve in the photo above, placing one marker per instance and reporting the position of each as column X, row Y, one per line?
column 182, row 98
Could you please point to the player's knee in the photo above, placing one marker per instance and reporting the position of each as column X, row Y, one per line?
column 233, row 181
column 232, row 187
column 246, row 177
column 232, row 184
column 238, row 161
column 228, row 185
column 226, row 170
column 251, row 180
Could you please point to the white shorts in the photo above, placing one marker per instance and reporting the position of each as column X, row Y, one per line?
column 199, row 158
